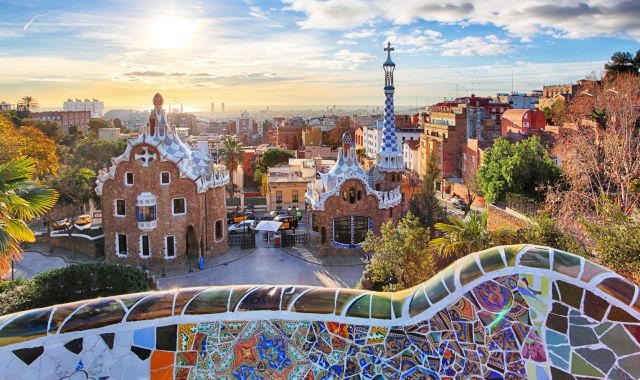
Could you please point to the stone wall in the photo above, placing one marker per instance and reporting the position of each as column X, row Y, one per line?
column 514, row 312
column 80, row 245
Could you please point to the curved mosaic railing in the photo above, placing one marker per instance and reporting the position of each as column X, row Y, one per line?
column 509, row 312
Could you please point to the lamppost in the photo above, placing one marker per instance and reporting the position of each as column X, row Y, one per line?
column 393, row 282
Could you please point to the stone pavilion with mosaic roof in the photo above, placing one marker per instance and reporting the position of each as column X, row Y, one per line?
column 348, row 201
column 162, row 202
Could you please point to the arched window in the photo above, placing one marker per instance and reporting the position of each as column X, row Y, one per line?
column 359, row 195
column 345, row 195
column 352, row 195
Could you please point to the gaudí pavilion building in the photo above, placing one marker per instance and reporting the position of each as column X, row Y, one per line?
column 161, row 201
column 348, row 201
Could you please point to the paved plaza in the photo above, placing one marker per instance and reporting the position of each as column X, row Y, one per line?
column 270, row 266
column 262, row 265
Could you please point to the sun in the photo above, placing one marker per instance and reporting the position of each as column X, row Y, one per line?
column 171, row 32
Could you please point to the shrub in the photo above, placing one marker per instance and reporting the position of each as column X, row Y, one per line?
column 16, row 296
column 72, row 283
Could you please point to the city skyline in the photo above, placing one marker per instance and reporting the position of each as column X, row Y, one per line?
column 300, row 52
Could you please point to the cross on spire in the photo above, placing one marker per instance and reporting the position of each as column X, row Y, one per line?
column 389, row 48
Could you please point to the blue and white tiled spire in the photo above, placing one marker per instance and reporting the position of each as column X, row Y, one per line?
column 389, row 157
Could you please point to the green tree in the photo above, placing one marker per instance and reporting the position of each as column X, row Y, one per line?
column 544, row 230
column 269, row 159
column 231, row 155
column 96, row 124
column 72, row 137
column 117, row 123
column 520, row 168
column 50, row 128
column 96, row 154
column 20, row 201
column 74, row 185
column 461, row 237
column 423, row 203
column 400, row 251
column 622, row 62
column 615, row 236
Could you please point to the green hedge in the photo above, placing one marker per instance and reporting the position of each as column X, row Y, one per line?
column 72, row 283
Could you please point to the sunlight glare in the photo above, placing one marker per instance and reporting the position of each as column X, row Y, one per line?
column 170, row 32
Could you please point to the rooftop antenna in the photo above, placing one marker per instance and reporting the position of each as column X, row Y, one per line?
column 457, row 91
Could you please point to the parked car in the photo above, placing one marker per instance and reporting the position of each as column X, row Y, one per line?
column 82, row 220
column 273, row 214
column 459, row 204
column 61, row 224
column 239, row 217
column 242, row 227
column 288, row 222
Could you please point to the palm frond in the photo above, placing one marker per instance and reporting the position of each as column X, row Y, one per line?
column 40, row 200
column 15, row 172
column 19, row 230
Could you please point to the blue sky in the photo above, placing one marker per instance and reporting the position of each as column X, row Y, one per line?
column 301, row 51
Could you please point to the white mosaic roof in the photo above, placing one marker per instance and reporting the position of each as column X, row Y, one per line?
column 194, row 165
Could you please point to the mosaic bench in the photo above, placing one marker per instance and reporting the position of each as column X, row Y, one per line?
column 513, row 312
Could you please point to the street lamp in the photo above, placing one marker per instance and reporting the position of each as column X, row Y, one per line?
column 393, row 282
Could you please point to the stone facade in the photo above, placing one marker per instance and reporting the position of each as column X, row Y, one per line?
column 201, row 214
column 337, row 206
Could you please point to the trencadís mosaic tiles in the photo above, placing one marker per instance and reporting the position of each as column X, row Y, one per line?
column 517, row 312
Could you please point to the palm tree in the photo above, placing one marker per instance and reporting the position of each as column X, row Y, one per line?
column 20, row 201
column 231, row 155
column 462, row 236
column 29, row 102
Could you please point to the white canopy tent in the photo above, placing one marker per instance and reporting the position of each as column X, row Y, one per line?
column 268, row 225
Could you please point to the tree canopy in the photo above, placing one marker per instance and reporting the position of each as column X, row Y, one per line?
column 622, row 62
column 423, row 203
column 269, row 159
column 96, row 154
column 50, row 128
column 96, row 124
column 520, row 168
column 74, row 185
column 28, row 142
column 400, row 251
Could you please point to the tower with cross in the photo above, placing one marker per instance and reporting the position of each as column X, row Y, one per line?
column 389, row 157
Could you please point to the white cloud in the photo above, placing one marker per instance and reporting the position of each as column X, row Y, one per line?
column 472, row 46
column 363, row 33
column 351, row 59
column 257, row 12
column 525, row 18
column 417, row 40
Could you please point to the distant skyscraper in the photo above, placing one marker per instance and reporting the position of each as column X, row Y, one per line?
column 213, row 107
column 95, row 106
column 222, row 106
